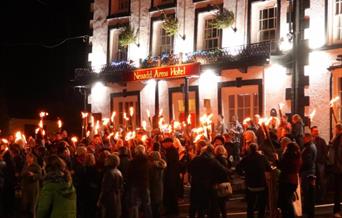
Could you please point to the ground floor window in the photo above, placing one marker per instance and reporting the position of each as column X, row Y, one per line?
column 126, row 106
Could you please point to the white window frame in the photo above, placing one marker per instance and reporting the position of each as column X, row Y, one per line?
column 114, row 46
column 166, row 42
column 256, row 8
column 157, row 37
column 211, row 34
column 202, row 17
column 334, row 22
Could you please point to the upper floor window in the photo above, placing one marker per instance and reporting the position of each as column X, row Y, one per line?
column 212, row 36
column 116, row 51
column 157, row 3
column 119, row 6
column 264, row 23
column 161, row 42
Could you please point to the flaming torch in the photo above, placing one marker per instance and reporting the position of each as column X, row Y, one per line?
column 59, row 124
column 85, row 122
column 112, row 117
column 332, row 104
column 149, row 117
column 131, row 113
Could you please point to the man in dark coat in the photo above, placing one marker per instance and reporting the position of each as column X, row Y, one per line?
column 138, row 184
column 171, row 177
column 205, row 172
column 254, row 166
column 308, row 178
column 336, row 153
column 321, row 161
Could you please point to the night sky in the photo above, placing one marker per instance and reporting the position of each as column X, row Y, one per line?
column 34, row 77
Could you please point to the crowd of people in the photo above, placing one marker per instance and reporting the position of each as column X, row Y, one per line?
column 112, row 175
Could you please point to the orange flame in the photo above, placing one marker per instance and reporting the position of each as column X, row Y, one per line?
column 144, row 124
column 5, row 141
column 43, row 114
column 97, row 127
column 117, row 136
column 84, row 114
column 246, row 120
column 88, row 133
column 144, row 138
column 176, row 125
column 74, row 139
column 112, row 118
column 125, row 116
column 41, row 124
column 131, row 111
column 130, row 135
column 281, row 106
column 148, row 113
column 161, row 112
column 333, row 101
column 105, row 121
column 189, row 119
column 59, row 123
column 312, row 114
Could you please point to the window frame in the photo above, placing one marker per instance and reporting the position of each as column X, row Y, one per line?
column 118, row 13
column 113, row 45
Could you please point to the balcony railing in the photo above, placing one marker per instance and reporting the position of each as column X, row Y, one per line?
column 244, row 55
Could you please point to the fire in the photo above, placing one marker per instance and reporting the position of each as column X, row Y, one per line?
column 37, row 130
column 117, row 136
column 144, row 138
column 74, row 139
column 148, row 113
column 43, row 114
column 281, row 106
column 206, row 119
column 246, row 120
column 333, row 101
column 161, row 112
column 130, row 135
column 20, row 136
column 105, row 121
column 84, row 115
column 312, row 114
column 125, row 116
column 112, row 117
column 176, row 125
column 43, row 132
column 97, row 127
column 5, row 141
column 131, row 111
column 161, row 122
column 88, row 133
column 59, row 123
column 41, row 124
column 189, row 119
column 144, row 125
column 92, row 120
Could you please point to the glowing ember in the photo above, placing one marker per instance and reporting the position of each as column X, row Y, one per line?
column 131, row 111
column 144, row 124
column 333, row 101
column 112, row 118
column 312, row 114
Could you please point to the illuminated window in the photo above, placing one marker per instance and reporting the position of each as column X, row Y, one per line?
column 212, row 36
column 166, row 42
column 242, row 105
column 116, row 51
column 268, row 25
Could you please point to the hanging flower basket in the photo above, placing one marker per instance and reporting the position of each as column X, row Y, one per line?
column 127, row 36
column 170, row 25
column 223, row 19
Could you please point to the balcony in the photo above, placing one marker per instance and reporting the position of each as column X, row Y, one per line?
column 224, row 58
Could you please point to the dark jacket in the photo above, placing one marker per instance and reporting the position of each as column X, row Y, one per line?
column 289, row 167
column 254, row 165
column 298, row 133
column 110, row 196
column 337, row 153
column 309, row 155
column 138, row 173
column 156, row 181
column 322, row 150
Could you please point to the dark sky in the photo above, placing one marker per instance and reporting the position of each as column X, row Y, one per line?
column 34, row 77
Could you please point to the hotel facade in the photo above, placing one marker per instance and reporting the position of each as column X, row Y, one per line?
column 275, row 52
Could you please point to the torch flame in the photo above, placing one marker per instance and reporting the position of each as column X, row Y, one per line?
column 43, row 114
column 40, row 124
column 97, row 127
column 88, row 134
column 161, row 112
column 84, row 114
column 312, row 114
column 131, row 111
column 125, row 116
column 105, row 121
column 189, row 119
column 113, row 116
column 333, row 101
column 281, row 106
column 144, row 125
column 37, row 130
column 246, row 120
column 74, row 139
column 5, row 141
column 160, row 122
column 117, row 136
column 130, row 136
column 144, row 138
column 148, row 113
column 59, row 123
column 176, row 125
column 92, row 119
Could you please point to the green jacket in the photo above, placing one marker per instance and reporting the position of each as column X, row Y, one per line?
column 57, row 200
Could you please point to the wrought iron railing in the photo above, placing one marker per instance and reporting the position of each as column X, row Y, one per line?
column 243, row 53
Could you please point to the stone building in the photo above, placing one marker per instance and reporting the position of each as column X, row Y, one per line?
column 276, row 51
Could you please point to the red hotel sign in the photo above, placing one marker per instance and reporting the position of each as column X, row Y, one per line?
column 168, row 72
